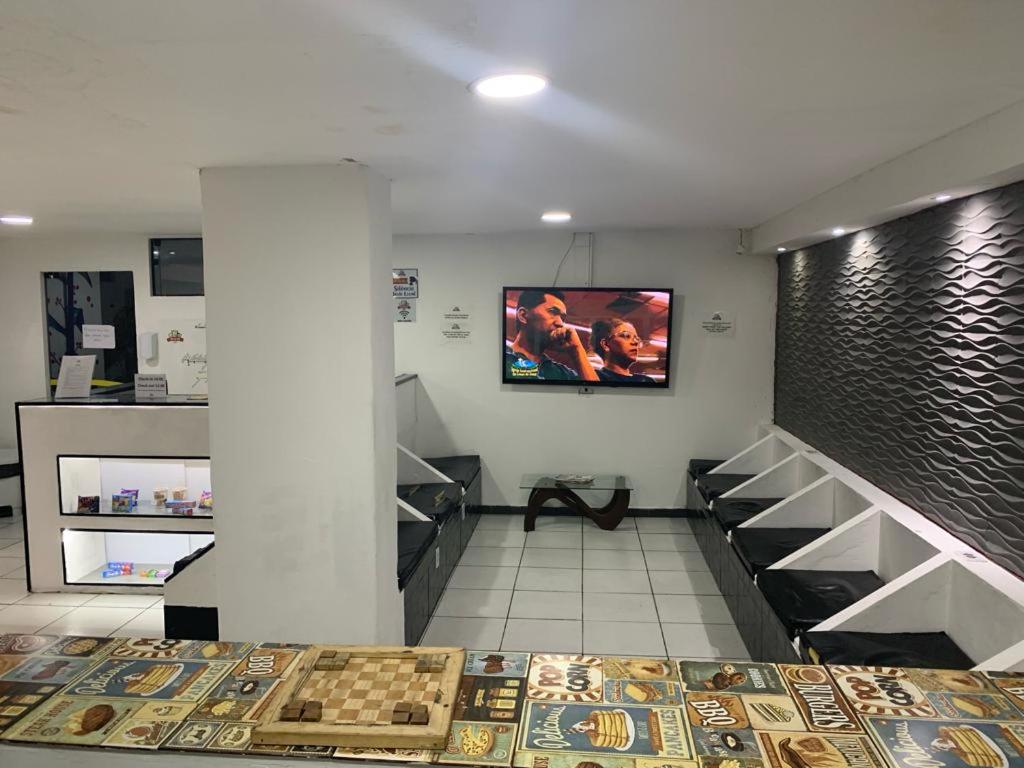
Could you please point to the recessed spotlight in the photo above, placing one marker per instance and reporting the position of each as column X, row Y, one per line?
column 837, row 231
column 781, row 249
column 511, row 86
column 17, row 221
column 942, row 198
column 556, row 217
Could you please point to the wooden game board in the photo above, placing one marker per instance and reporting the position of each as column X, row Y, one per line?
column 351, row 702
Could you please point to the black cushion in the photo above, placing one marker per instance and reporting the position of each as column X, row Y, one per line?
column 732, row 512
column 698, row 467
column 804, row 599
column 880, row 649
column 760, row 547
column 713, row 486
column 438, row 501
column 414, row 540
column 461, row 469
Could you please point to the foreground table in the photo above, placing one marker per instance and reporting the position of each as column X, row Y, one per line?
column 117, row 696
column 544, row 488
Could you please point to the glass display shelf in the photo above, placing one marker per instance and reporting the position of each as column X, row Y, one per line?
column 87, row 553
column 143, row 509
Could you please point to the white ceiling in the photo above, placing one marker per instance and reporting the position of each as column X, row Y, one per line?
column 662, row 112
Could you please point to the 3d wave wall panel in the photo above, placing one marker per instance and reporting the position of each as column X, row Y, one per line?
column 900, row 354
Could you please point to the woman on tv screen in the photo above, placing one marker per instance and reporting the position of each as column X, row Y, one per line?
column 617, row 343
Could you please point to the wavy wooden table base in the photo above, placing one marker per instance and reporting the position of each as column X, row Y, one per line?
column 607, row 517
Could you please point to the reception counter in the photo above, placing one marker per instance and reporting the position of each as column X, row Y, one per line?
column 100, row 697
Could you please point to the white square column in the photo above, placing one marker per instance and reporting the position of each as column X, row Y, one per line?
column 302, row 402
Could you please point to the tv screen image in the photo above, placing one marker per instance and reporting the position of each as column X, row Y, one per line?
column 614, row 337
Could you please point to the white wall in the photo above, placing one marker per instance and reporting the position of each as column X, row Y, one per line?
column 23, row 259
column 721, row 387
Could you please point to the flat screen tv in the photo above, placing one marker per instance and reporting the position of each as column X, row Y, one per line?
column 601, row 337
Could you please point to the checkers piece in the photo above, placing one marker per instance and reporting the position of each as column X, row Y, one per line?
column 419, row 715
column 328, row 654
column 400, row 718
column 403, row 706
column 291, row 714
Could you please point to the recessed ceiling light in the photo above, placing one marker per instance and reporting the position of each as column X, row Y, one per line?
column 17, row 221
column 556, row 217
column 942, row 198
column 511, row 86
column 837, row 231
column 781, row 249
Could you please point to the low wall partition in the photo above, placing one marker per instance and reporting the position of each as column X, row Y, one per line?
column 816, row 563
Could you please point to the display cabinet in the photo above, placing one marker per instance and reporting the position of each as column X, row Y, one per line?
column 90, row 471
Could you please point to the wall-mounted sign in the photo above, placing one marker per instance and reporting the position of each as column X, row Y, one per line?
column 405, row 310
column 405, row 283
column 97, row 336
column 719, row 324
column 456, row 325
column 456, row 333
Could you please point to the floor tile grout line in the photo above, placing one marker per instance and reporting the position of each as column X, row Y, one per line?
column 661, row 627
column 508, row 611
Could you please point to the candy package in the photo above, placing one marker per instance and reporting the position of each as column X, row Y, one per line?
column 88, row 505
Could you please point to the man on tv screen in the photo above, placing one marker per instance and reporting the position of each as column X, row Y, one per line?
column 540, row 327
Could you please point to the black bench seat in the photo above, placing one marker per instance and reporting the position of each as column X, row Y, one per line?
column 414, row 540
column 760, row 547
column 803, row 599
column 935, row 650
column 462, row 469
column 713, row 486
column 698, row 467
column 733, row 512
column 437, row 501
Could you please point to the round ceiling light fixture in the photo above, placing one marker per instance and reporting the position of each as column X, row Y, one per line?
column 510, row 86
column 781, row 249
column 16, row 220
column 942, row 198
column 556, row 217
column 837, row 231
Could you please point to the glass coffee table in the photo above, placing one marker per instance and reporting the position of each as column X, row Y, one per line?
column 546, row 487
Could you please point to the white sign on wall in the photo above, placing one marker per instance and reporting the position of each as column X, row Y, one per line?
column 405, row 310
column 97, row 336
column 183, row 356
column 405, row 283
column 719, row 324
column 456, row 325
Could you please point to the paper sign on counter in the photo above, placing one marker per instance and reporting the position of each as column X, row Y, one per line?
column 75, row 377
column 150, row 386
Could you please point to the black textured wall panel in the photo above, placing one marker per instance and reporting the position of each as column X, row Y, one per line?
column 900, row 353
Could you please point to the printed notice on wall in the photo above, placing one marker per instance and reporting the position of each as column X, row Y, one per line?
column 405, row 310
column 456, row 333
column 97, row 336
column 405, row 283
column 719, row 324
column 456, row 325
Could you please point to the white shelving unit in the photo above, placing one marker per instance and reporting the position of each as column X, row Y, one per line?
column 934, row 581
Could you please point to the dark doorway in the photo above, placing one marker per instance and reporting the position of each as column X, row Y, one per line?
column 91, row 298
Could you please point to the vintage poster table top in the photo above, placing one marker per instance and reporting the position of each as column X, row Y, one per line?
column 526, row 710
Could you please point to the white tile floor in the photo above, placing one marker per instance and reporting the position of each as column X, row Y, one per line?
column 641, row 590
column 67, row 614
